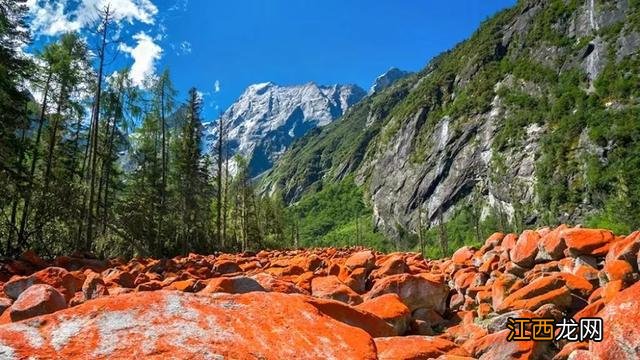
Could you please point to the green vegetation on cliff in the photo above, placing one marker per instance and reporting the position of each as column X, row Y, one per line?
column 532, row 65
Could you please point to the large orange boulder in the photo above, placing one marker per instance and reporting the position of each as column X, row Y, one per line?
column 526, row 248
column 59, row 278
column 271, row 283
column 94, row 287
column 224, row 266
column 37, row 300
column 5, row 303
column 330, row 287
column 618, row 270
column 356, row 280
column 390, row 308
column 544, row 290
column 115, row 277
column 16, row 285
column 412, row 347
column 393, row 265
column 372, row 324
column 582, row 241
column 414, row 290
column 496, row 346
column 364, row 259
column 620, row 317
column 626, row 249
column 502, row 287
column 178, row 325
column 552, row 245
column 462, row 255
column 232, row 285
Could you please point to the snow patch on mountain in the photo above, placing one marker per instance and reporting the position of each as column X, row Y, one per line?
column 387, row 79
column 267, row 118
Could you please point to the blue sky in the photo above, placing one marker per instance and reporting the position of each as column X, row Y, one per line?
column 236, row 43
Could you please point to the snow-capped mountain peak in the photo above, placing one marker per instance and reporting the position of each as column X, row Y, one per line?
column 387, row 79
column 267, row 118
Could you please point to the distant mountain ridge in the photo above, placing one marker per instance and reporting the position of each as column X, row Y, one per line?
column 267, row 118
column 387, row 79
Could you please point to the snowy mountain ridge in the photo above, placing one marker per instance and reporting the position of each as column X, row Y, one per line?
column 267, row 118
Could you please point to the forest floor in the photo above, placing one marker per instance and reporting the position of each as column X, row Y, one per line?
column 500, row 301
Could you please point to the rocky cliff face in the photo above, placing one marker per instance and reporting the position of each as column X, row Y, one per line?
column 267, row 118
column 514, row 121
column 387, row 79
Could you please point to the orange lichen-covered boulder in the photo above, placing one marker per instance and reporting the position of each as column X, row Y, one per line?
column 395, row 264
column 115, row 277
column 587, row 241
column 56, row 277
column 415, row 291
column 232, row 285
column 365, row 259
column 189, row 285
column 412, row 347
column 496, row 346
column 94, row 287
column 626, row 249
column 372, row 324
column 271, row 283
column 16, row 285
column 172, row 324
column 37, row 300
column 545, row 290
column 5, row 303
column 330, row 287
column 391, row 309
column 356, row 280
column 526, row 248
column 552, row 245
column 462, row 255
column 227, row 267
column 618, row 270
column 621, row 336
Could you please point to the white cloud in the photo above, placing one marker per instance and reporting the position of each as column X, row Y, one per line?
column 56, row 17
column 145, row 55
column 185, row 47
column 216, row 86
column 203, row 95
column 50, row 18
column 179, row 5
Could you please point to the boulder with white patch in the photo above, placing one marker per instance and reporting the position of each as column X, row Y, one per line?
column 174, row 324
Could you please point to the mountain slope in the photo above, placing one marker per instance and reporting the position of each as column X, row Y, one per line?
column 266, row 118
column 533, row 120
column 387, row 79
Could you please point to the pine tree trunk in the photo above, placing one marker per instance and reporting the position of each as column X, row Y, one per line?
column 163, row 189
column 96, row 122
column 444, row 241
column 27, row 201
column 226, row 195
column 420, row 237
column 219, row 204
column 16, row 196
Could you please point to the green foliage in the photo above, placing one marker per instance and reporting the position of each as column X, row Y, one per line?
column 464, row 228
column 356, row 232
column 545, row 25
column 335, row 215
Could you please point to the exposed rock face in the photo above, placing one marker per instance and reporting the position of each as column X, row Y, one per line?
column 452, row 134
column 267, row 118
column 297, row 304
column 387, row 79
